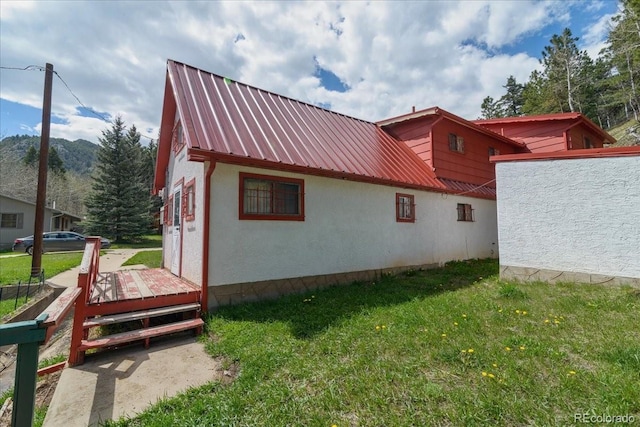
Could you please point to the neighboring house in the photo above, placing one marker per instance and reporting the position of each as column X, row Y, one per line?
column 17, row 219
column 572, row 216
column 550, row 132
column 266, row 195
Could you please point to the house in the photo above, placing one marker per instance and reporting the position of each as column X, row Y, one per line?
column 550, row 132
column 570, row 216
column 17, row 218
column 266, row 195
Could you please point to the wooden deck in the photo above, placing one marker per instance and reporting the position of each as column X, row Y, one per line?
column 133, row 290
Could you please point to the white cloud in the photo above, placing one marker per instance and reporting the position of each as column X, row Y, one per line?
column 393, row 55
column 594, row 38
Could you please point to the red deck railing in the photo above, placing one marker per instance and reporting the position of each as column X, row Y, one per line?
column 86, row 278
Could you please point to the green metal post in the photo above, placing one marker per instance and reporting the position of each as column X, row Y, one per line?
column 24, row 393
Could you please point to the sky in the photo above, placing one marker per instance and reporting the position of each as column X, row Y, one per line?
column 370, row 60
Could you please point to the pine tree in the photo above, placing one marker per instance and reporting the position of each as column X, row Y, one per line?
column 55, row 163
column 118, row 205
column 511, row 102
column 31, row 157
column 490, row 108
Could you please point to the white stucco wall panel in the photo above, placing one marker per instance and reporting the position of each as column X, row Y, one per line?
column 191, row 258
column 576, row 215
column 349, row 226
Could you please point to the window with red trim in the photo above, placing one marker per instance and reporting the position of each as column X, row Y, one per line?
column 189, row 202
column 178, row 138
column 456, row 143
column 271, row 197
column 405, row 208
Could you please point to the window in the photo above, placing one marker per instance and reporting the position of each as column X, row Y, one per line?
column 189, row 202
column 456, row 143
column 587, row 143
column 465, row 212
column 178, row 138
column 405, row 208
column 493, row 152
column 271, row 197
column 11, row 220
column 170, row 211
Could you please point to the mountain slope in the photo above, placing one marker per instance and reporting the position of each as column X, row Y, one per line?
column 78, row 156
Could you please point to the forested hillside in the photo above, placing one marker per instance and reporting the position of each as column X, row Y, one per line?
column 606, row 89
column 77, row 156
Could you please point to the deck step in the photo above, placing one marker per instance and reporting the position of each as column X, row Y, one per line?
column 140, row 334
column 139, row 315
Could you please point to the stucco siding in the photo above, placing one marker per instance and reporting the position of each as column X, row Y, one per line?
column 571, row 215
column 12, row 206
column 348, row 227
column 191, row 256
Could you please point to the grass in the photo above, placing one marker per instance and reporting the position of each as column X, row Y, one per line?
column 151, row 259
column 452, row 346
column 148, row 241
column 9, row 305
column 18, row 268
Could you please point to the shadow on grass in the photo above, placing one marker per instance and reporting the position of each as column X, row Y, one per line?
column 310, row 313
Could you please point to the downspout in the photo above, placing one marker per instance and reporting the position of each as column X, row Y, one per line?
column 205, row 237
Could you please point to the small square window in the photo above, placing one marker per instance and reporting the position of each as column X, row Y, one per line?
column 11, row 220
column 465, row 212
column 178, row 137
column 405, row 208
column 493, row 151
column 456, row 143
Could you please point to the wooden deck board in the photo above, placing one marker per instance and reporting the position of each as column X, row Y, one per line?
column 128, row 286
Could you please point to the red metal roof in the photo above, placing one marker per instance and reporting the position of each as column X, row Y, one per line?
column 532, row 134
column 232, row 122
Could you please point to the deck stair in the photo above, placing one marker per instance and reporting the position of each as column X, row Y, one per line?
column 130, row 296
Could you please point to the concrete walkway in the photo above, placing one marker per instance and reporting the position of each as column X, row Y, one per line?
column 113, row 384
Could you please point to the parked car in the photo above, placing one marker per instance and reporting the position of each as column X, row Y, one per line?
column 56, row 241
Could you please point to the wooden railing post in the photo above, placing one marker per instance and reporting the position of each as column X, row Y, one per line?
column 86, row 279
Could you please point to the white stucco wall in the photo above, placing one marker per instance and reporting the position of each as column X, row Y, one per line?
column 349, row 226
column 191, row 259
column 575, row 215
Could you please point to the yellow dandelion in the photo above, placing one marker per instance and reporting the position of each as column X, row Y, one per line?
column 464, row 315
column 334, row 425
column 455, row 323
column 495, row 365
column 484, row 374
column 572, row 372
column 377, row 327
column 508, row 348
column 500, row 311
column 517, row 311
column 384, row 326
column 521, row 347
column 470, row 350
column 524, row 313
column 546, row 320
column 491, row 375
column 556, row 321
column 444, row 335
column 464, row 351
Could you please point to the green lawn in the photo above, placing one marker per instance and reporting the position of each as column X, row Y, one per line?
column 148, row 241
column 452, row 346
column 18, row 268
column 152, row 259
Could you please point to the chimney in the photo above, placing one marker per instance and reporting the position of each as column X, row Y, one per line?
column 413, row 109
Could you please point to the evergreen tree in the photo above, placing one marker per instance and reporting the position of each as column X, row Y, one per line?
column 490, row 108
column 31, row 157
column 55, row 163
column 118, row 205
column 511, row 102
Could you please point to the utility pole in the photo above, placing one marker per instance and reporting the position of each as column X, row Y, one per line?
column 41, row 197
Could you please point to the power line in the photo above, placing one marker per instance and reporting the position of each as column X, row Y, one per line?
column 40, row 68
